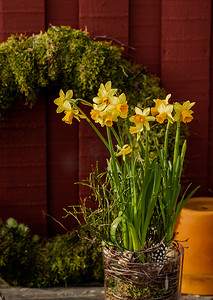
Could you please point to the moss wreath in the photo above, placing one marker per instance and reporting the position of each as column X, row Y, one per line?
column 67, row 58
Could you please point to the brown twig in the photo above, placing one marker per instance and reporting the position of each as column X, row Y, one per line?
column 45, row 214
column 114, row 40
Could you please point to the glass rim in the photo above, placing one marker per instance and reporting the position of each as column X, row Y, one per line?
column 180, row 249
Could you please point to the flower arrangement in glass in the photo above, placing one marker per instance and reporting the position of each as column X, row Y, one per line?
column 138, row 195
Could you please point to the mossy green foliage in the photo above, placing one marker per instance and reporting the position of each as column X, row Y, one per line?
column 19, row 253
column 69, row 260
column 155, row 289
column 67, row 58
column 60, row 261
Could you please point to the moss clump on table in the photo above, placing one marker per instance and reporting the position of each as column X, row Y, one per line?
column 63, row 260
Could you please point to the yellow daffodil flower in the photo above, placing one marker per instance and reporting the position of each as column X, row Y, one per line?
column 66, row 103
column 136, row 129
column 107, row 114
column 118, row 107
column 122, row 106
column 68, row 117
column 141, row 120
column 70, row 114
column 108, row 121
column 132, row 129
column 154, row 110
column 183, row 112
column 142, row 117
column 125, row 150
column 112, row 110
column 105, row 95
column 95, row 114
column 62, row 98
column 165, row 112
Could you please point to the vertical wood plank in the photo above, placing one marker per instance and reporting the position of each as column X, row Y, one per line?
column 62, row 166
column 185, row 63
column 101, row 18
column 145, row 33
column 23, row 167
column 23, row 136
column 62, row 139
column 91, row 150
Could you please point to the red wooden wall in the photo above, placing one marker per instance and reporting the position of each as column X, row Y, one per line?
column 41, row 158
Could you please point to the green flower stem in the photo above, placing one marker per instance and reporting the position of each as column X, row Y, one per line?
column 133, row 189
column 93, row 126
column 116, row 136
column 98, row 133
column 147, row 162
column 115, row 164
column 128, row 135
column 166, row 141
column 120, row 133
column 129, row 169
column 177, row 142
column 141, row 147
column 154, row 181
column 84, row 102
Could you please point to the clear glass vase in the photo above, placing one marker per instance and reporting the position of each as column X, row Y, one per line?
column 159, row 277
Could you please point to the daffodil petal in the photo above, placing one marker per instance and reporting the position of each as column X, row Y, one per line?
column 138, row 111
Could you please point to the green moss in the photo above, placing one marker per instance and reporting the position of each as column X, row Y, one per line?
column 19, row 254
column 152, row 290
column 29, row 261
column 69, row 260
column 67, row 58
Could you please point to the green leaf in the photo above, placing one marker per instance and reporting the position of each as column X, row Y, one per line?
column 132, row 233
